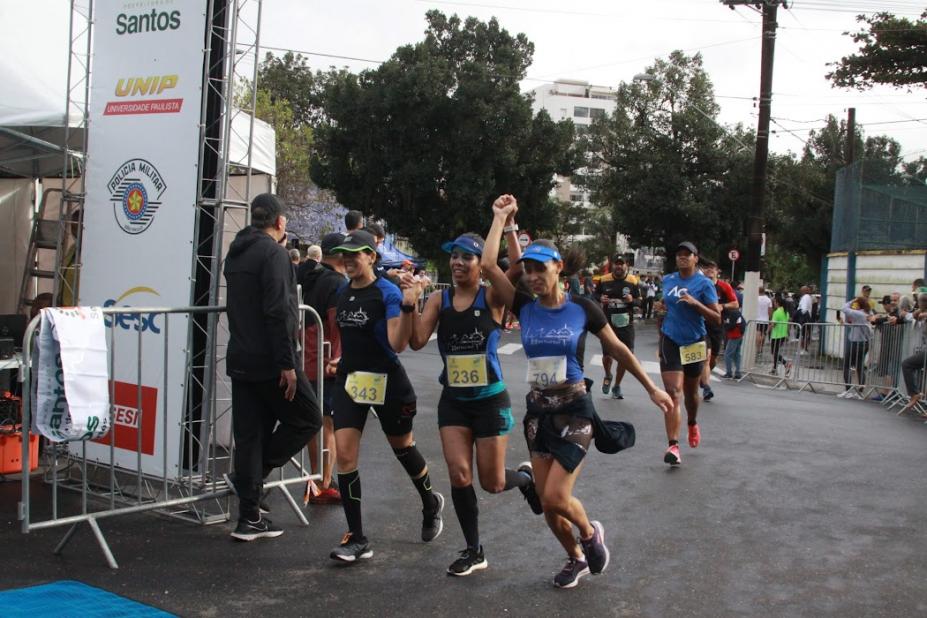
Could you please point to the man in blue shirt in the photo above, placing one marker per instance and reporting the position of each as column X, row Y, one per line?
column 690, row 298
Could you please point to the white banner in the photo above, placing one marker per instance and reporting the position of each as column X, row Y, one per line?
column 72, row 394
column 137, row 248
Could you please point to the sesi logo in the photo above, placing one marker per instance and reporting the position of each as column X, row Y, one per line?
column 147, row 22
column 128, row 418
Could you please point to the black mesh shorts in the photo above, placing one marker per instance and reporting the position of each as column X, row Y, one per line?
column 486, row 418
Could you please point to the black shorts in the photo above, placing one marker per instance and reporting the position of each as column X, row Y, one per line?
column 671, row 360
column 328, row 395
column 486, row 418
column 625, row 335
column 713, row 339
column 762, row 327
column 561, row 432
column 395, row 414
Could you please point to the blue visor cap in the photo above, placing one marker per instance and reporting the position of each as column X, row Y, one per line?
column 540, row 253
column 464, row 243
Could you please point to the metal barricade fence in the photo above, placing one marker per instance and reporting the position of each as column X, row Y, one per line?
column 178, row 491
column 857, row 361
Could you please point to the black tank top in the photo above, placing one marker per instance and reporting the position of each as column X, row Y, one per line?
column 471, row 331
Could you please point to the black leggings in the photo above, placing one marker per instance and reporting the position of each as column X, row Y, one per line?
column 775, row 345
column 854, row 352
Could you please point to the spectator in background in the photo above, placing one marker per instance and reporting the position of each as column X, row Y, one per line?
column 294, row 257
column 321, row 282
column 764, row 311
column 803, row 316
column 917, row 362
column 856, row 345
column 650, row 294
column 314, row 253
column 780, row 332
column 909, row 303
column 354, row 220
column 889, row 330
column 734, row 325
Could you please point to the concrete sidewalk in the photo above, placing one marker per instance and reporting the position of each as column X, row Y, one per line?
column 795, row 504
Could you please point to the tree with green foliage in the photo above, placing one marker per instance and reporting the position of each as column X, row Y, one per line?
column 661, row 161
column 429, row 138
column 893, row 51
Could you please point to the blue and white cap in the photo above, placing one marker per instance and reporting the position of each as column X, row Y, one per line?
column 540, row 253
column 471, row 243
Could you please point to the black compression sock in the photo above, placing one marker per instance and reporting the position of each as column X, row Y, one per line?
column 514, row 478
column 467, row 509
column 413, row 462
column 351, row 501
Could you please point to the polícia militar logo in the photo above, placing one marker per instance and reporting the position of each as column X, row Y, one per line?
column 135, row 192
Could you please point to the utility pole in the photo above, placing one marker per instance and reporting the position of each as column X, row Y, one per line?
column 851, row 135
column 769, row 9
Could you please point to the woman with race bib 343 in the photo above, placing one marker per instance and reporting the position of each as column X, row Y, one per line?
column 375, row 321
column 559, row 420
column 474, row 409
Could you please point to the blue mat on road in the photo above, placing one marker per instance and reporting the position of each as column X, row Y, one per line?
column 69, row 598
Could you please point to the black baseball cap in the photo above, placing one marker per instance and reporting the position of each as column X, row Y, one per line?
column 330, row 241
column 688, row 246
column 886, row 300
column 358, row 240
column 618, row 258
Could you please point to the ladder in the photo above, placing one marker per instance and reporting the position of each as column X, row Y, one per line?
column 54, row 247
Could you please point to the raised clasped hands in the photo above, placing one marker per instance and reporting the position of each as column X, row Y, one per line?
column 505, row 205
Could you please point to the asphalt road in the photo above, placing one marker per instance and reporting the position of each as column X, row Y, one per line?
column 796, row 504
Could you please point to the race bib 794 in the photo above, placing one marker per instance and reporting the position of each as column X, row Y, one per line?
column 544, row 371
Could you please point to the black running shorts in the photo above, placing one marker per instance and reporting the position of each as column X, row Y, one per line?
column 395, row 414
column 671, row 360
column 625, row 335
column 486, row 418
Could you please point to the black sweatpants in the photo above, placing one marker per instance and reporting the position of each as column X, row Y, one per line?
column 257, row 407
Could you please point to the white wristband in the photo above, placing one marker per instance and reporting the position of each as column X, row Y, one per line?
column 510, row 228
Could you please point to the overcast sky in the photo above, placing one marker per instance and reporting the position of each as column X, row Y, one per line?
column 601, row 41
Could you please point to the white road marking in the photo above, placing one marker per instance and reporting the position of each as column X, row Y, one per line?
column 651, row 367
column 509, row 348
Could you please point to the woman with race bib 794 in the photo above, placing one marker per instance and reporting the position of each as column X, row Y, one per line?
column 560, row 416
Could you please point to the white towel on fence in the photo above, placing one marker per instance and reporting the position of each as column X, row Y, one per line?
column 73, row 383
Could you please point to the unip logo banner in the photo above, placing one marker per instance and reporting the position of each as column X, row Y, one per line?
column 72, row 393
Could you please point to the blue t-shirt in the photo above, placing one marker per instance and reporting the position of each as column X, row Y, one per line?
column 560, row 331
column 683, row 324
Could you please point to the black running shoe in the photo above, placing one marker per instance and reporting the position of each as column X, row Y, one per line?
column 571, row 573
column 707, row 393
column 432, row 522
column 251, row 530
column 529, row 491
column 351, row 549
column 470, row 560
column 597, row 554
column 616, row 392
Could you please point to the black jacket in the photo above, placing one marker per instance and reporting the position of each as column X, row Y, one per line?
column 262, row 307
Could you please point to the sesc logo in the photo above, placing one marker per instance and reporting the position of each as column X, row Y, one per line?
column 132, row 321
column 147, row 22
column 135, row 191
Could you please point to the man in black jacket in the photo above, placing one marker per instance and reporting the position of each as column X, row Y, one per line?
column 262, row 361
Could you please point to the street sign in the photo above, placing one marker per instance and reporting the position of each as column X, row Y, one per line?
column 733, row 255
column 524, row 239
